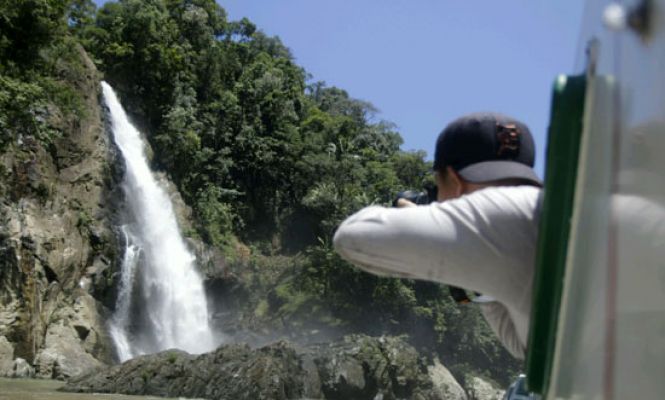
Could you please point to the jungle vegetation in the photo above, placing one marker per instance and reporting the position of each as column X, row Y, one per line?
column 268, row 158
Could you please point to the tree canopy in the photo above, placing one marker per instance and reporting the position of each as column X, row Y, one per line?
column 263, row 154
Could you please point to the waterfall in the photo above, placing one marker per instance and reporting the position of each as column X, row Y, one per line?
column 161, row 302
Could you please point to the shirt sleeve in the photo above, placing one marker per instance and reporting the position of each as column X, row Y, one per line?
column 484, row 242
column 499, row 319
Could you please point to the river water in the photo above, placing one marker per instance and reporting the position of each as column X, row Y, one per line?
column 44, row 389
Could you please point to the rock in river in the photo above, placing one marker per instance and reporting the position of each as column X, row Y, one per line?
column 357, row 367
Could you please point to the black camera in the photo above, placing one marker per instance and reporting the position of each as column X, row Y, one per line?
column 425, row 197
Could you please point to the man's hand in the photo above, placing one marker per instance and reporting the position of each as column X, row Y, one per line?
column 401, row 202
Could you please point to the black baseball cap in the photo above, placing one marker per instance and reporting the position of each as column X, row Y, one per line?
column 484, row 147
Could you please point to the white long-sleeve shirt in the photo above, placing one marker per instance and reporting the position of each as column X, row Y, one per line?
column 484, row 241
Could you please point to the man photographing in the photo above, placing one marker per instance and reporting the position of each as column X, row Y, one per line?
column 480, row 235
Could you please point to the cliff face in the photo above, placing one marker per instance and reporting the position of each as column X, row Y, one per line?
column 57, row 246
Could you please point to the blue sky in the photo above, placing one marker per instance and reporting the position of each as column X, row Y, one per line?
column 423, row 63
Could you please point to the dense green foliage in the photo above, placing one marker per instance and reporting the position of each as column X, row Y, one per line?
column 249, row 144
column 39, row 63
column 268, row 160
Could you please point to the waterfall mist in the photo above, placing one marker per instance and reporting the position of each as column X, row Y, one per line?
column 161, row 300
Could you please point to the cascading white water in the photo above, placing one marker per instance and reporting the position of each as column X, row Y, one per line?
column 161, row 302
column 120, row 321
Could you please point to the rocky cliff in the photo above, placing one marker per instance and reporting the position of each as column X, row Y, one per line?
column 357, row 367
column 57, row 246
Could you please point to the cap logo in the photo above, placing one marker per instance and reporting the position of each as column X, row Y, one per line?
column 508, row 137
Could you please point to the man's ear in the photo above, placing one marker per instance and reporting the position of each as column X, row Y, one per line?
column 456, row 182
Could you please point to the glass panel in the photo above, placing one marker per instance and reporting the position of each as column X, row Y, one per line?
column 611, row 338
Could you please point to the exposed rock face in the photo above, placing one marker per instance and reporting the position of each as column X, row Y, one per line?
column 71, row 341
column 479, row 389
column 21, row 369
column 6, row 357
column 55, row 238
column 445, row 382
column 359, row 367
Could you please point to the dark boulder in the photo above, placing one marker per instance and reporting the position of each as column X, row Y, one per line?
column 358, row 367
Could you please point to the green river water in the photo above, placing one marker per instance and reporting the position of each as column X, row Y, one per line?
column 42, row 389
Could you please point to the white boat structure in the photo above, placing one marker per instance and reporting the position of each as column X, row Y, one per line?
column 598, row 320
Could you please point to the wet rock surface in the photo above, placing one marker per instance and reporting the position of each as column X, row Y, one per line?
column 357, row 367
column 55, row 226
column 21, row 369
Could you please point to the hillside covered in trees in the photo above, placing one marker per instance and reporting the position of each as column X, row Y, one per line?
column 269, row 160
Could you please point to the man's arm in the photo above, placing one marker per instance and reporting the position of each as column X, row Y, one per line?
column 484, row 241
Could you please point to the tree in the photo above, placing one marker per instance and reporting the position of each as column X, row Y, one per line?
column 28, row 26
column 81, row 15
